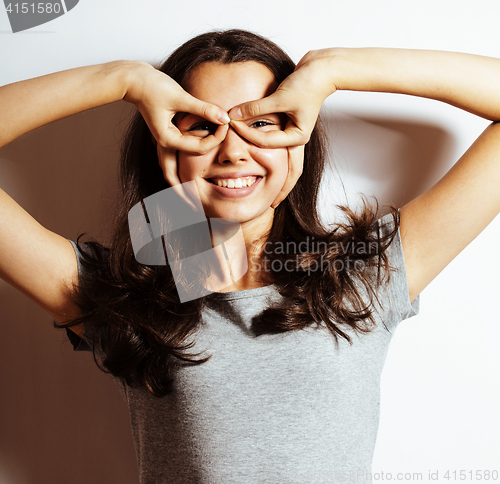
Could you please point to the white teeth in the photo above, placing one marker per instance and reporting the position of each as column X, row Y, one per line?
column 236, row 182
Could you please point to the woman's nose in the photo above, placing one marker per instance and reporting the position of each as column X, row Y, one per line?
column 234, row 148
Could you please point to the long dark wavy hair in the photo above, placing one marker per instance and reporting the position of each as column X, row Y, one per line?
column 132, row 311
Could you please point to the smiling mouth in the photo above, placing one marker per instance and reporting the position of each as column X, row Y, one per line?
column 242, row 182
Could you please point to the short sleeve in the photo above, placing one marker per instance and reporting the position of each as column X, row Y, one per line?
column 83, row 343
column 397, row 292
column 79, row 343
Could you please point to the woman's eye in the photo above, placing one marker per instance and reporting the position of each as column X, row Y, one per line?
column 262, row 124
column 203, row 129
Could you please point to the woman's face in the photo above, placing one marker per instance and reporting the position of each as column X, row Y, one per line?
column 221, row 174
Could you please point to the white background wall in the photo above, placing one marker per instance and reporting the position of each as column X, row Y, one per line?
column 62, row 421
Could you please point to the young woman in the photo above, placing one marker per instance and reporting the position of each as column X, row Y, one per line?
column 274, row 376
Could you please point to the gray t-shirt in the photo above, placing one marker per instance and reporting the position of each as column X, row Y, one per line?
column 293, row 407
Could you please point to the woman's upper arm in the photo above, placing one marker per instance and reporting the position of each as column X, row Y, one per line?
column 38, row 262
column 437, row 225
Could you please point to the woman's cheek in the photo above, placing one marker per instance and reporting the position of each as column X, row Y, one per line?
column 275, row 161
column 189, row 166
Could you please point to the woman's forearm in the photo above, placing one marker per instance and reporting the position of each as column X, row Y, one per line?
column 29, row 104
column 467, row 81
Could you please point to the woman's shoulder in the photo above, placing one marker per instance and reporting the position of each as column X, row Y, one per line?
column 88, row 252
column 395, row 291
column 92, row 259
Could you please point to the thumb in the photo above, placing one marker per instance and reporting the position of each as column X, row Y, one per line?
column 252, row 109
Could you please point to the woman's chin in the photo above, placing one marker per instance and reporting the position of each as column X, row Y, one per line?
column 242, row 215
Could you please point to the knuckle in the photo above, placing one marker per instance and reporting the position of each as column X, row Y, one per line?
column 203, row 149
column 251, row 110
column 209, row 111
column 303, row 139
column 167, row 138
column 205, row 110
column 163, row 140
column 303, row 136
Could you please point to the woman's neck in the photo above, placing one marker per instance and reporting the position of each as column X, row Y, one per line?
column 239, row 256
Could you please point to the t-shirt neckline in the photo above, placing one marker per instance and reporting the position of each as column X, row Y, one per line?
column 244, row 293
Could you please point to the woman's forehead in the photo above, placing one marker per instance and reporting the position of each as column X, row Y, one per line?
column 227, row 85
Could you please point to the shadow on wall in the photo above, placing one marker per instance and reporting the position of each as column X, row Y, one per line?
column 61, row 419
column 393, row 159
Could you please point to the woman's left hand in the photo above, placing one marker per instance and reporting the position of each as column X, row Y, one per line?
column 299, row 96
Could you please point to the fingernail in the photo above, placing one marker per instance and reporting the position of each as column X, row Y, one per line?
column 237, row 114
column 224, row 118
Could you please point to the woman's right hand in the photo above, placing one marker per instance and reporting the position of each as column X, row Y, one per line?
column 159, row 98
column 299, row 96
